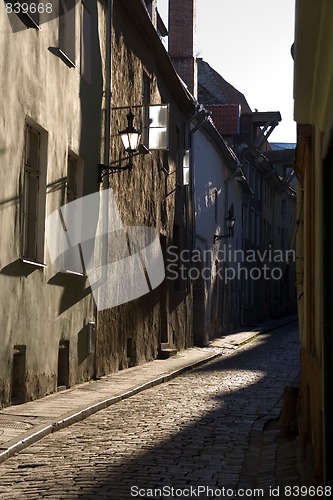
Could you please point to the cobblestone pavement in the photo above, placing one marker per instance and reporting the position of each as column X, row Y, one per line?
column 202, row 430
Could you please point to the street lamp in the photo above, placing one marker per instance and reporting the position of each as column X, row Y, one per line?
column 130, row 137
column 230, row 221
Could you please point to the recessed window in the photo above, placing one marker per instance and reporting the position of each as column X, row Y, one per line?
column 26, row 10
column 156, row 125
column 34, row 193
column 73, row 187
column 67, row 29
column 186, row 168
column 72, row 215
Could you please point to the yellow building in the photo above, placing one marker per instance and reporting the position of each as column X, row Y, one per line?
column 313, row 94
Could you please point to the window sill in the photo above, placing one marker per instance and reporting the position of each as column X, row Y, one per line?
column 33, row 262
column 73, row 273
column 66, row 59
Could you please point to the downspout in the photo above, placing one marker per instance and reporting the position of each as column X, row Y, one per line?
column 226, row 208
column 225, row 317
column 188, row 145
column 108, row 83
column 188, row 142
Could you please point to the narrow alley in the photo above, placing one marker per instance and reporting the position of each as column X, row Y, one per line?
column 208, row 433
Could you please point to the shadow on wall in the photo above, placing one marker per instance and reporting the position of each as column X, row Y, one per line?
column 86, row 342
column 75, row 288
column 26, row 15
column 19, row 268
column 91, row 93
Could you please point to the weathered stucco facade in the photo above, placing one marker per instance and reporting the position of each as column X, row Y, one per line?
column 45, row 314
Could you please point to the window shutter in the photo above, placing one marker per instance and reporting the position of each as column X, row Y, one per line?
column 31, row 192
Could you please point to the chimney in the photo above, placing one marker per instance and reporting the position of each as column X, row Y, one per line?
column 182, row 30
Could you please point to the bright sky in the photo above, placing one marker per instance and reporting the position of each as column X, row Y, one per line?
column 248, row 42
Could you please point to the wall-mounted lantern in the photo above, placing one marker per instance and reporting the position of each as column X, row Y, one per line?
column 130, row 137
column 230, row 221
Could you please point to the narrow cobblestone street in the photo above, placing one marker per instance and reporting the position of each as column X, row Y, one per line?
column 204, row 428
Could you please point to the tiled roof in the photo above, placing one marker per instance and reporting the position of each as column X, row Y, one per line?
column 210, row 92
column 226, row 118
column 213, row 89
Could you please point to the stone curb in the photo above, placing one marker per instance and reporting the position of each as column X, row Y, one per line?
column 255, row 334
column 265, row 330
column 272, row 328
column 248, row 340
column 68, row 419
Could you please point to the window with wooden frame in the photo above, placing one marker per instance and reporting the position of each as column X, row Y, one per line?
column 155, row 119
column 73, row 217
column 34, row 194
column 67, row 30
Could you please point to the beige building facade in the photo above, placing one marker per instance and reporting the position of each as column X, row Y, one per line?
column 51, row 102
